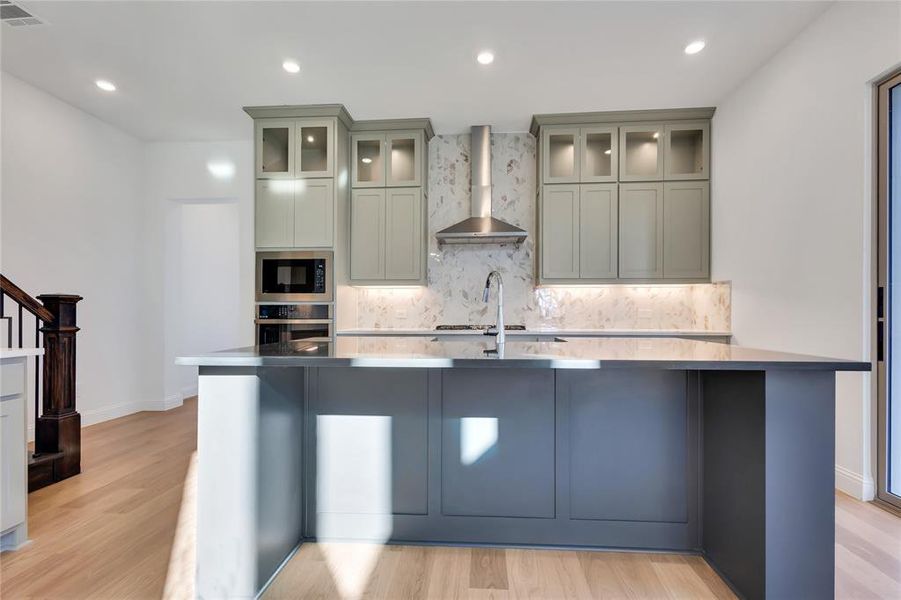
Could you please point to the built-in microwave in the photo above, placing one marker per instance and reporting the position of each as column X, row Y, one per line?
column 294, row 276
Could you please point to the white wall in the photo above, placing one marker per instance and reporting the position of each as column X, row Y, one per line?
column 71, row 218
column 792, row 206
column 199, row 255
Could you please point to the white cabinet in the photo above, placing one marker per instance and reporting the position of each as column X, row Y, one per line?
column 641, row 230
column 295, row 213
column 13, row 454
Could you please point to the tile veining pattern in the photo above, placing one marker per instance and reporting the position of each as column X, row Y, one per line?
column 457, row 272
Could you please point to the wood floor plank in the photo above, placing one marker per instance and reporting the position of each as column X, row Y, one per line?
column 488, row 569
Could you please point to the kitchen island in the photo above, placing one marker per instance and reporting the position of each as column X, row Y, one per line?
column 661, row 444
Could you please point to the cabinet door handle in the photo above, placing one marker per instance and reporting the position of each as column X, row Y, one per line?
column 880, row 341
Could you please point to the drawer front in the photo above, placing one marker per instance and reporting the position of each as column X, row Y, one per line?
column 12, row 378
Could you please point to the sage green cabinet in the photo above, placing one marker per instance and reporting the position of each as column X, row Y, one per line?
column 387, row 236
column 584, row 154
column 579, row 232
column 687, row 151
column 640, row 153
column 598, row 231
column 387, row 159
column 560, row 155
column 560, row 232
column 314, row 210
column 686, row 230
column 641, row 230
column 367, row 234
column 274, row 222
column 599, row 154
column 294, row 213
column 315, row 148
column 274, row 148
column 403, row 233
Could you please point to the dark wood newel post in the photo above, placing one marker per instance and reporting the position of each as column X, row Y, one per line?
column 59, row 427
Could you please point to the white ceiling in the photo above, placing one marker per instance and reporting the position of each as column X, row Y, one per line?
column 185, row 69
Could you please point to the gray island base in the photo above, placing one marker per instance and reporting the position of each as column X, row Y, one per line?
column 645, row 444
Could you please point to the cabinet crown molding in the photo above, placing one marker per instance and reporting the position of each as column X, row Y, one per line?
column 338, row 111
column 620, row 116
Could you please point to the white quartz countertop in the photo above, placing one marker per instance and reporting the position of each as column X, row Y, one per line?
column 18, row 352
column 543, row 331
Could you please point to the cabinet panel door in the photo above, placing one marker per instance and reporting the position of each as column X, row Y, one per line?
column 367, row 241
column 628, row 445
column 12, row 465
column 560, row 155
column 368, row 150
column 641, row 230
column 403, row 233
column 371, row 445
column 497, row 444
column 686, row 230
column 403, row 149
column 687, row 151
column 560, row 231
column 600, row 154
column 274, row 148
column 641, row 152
column 274, row 223
column 314, row 213
column 315, row 148
column 598, row 225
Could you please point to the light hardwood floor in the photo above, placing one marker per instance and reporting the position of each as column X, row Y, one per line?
column 124, row 529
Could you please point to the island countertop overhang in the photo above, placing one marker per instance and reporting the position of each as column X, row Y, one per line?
column 575, row 353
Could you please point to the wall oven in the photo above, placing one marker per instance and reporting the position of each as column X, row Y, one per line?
column 295, row 276
column 285, row 323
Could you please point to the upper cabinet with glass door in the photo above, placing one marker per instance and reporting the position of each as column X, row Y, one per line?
column 560, row 152
column 687, row 153
column 641, row 152
column 274, row 148
column 579, row 154
column 599, row 154
column 387, row 159
column 315, row 148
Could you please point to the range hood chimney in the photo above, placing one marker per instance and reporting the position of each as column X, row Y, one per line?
column 481, row 227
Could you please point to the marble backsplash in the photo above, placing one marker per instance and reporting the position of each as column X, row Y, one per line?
column 457, row 272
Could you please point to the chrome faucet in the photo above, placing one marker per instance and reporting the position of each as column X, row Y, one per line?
column 500, row 304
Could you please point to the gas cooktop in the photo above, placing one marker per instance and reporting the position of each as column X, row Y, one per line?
column 478, row 327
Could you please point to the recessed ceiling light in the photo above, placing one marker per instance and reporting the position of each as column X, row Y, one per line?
column 311, row 139
column 366, row 160
column 106, row 86
column 485, row 57
column 695, row 47
column 291, row 67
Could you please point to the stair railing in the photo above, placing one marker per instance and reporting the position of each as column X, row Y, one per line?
column 57, row 429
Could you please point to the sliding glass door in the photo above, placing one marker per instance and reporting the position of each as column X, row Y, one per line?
column 888, row 309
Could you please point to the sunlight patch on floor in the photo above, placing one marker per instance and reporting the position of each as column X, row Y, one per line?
column 183, row 557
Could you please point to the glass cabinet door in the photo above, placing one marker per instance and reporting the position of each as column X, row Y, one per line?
column 404, row 153
column 599, row 154
column 560, row 150
column 687, row 151
column 640, row 155
column 368, row 160
column 274, row 149
column 315, row 151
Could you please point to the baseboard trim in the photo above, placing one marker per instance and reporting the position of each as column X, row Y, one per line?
column 854, row 484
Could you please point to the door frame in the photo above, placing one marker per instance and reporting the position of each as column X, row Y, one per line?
column 882, row 314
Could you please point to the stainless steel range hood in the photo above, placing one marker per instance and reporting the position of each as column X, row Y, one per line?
column 481, row 227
